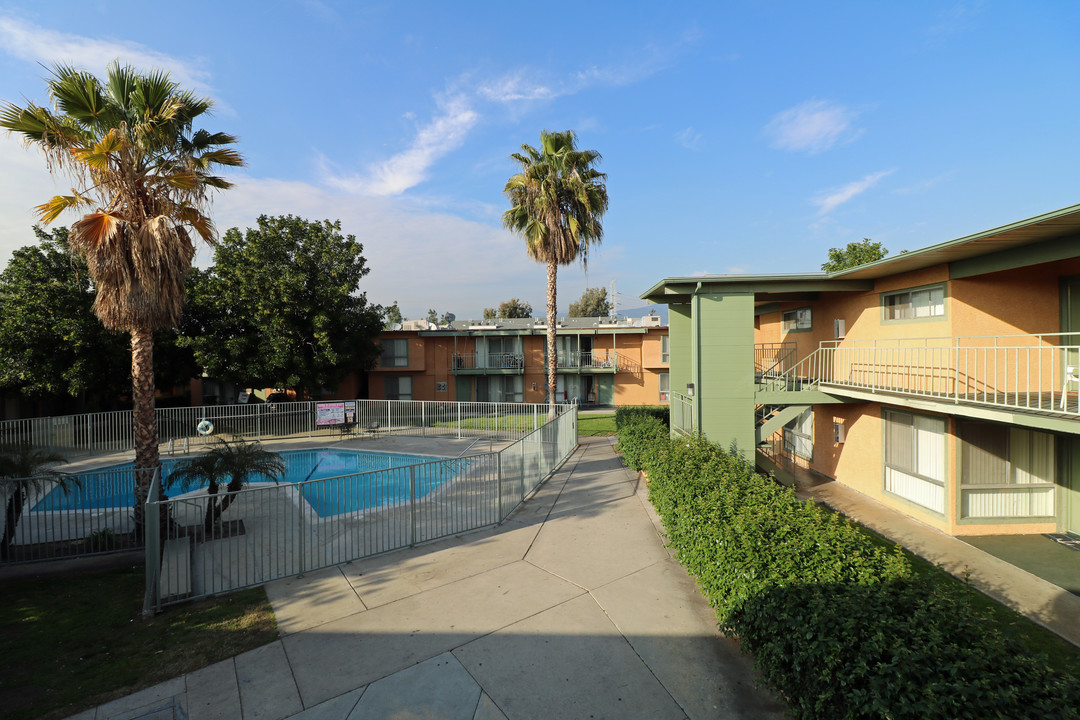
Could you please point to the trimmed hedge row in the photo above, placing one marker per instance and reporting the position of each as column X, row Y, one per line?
column 837, row 623
column 630, row 413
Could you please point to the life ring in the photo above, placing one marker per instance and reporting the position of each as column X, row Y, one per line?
column 205, row 427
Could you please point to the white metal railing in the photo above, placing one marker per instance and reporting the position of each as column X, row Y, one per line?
column 772, row 359
column 681, row 413
column 1039, row 372
column 180, row 429
column 488, row 361
column 273, row 531
column 595, row 360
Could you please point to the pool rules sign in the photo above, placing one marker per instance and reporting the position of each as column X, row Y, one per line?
column 335, row 413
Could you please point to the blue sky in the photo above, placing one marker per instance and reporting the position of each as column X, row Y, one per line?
column 738, row 137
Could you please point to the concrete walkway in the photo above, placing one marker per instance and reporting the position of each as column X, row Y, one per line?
column 573, row 608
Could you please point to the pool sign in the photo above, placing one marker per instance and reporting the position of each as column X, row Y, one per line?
column 335, row 413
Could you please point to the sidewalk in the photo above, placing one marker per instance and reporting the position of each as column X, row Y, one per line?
column 573, row 608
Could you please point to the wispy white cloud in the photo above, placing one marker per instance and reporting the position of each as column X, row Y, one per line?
column 445, row 133
column 957, row 18
column 925, row 185
column 32, row 43
column 514, row 86
column 830, row 202
column 813, row 126
column 689, row 138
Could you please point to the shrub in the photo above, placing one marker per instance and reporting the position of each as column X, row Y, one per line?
column 630, row 413
column 835, row 621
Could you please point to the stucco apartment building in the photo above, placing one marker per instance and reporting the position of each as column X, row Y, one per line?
column 601, row 361
column 942, row 382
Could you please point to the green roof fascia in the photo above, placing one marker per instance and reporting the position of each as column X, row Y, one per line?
column 681, row 289
column 1048, row 226
column 1040, row 227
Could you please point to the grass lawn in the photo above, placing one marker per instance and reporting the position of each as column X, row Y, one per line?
column 70, row 642
column 596, row 425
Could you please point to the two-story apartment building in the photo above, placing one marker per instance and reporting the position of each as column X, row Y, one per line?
column 601, row 361
column 942, row 382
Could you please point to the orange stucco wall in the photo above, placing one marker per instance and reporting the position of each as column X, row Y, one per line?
column 1017, row 301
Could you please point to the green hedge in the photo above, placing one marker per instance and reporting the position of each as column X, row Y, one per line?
column 630, row 413
column 837, row 623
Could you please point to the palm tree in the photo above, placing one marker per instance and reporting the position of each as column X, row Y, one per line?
column 238, row 462
column 144, row 175
column 556, row 202
column 26, row 469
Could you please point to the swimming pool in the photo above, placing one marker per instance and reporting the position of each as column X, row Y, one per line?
column 332, row 481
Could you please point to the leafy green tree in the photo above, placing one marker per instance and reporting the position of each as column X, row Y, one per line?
column 490, row 313
column 144, row 175
column 279, row 307
column 26, row 469
column 51, row 344
column 432, row 316
column 593, row 303
column 237, row 462
column 556, row 204
column 512, row 308
column 393, row 316
column 854, row 254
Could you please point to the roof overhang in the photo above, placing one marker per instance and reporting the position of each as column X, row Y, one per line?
column 1003, row 241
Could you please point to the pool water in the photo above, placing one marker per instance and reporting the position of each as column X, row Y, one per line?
column 111, row 487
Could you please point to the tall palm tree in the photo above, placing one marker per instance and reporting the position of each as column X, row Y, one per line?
column 24, row 469
column 238, row 462
column 144, row 176
column 557, row 201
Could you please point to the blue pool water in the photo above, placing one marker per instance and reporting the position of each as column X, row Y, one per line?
column 111, row 487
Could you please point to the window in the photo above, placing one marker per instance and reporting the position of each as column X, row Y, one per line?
column 397, row 387
column 499, row 388
column 665, row 349
column 1006, row 472
column 796, row 320
column 665, row 387
column 915, row 458
column 914, row 304
column 395, row 352
column 799, row 436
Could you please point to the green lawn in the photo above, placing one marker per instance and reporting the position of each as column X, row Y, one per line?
column 596, row 425
column 70, row 642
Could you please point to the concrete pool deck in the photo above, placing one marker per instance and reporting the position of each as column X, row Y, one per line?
column 571, row 608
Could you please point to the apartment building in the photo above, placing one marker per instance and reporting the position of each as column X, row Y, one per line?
column 601, row 361
column 942, row 382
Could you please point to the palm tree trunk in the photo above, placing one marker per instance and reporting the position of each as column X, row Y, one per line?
column 553, row 360
column 145, row 419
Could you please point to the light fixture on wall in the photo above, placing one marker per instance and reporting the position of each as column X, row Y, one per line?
column 690, row 389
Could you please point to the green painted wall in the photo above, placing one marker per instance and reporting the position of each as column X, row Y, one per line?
column 679, row 365
column 722, row 358
column 1069, row 490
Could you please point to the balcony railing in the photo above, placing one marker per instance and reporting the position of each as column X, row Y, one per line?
column 681, row 415
column 488, row 361
column 772, row 359
column 1024, row 372
column 596, row 360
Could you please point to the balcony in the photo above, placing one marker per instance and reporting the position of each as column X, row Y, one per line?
column 489, row 363
column 598, row 361
column 987, row 376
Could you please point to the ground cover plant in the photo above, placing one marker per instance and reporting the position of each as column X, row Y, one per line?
column 841, row 623
column 70, row 642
